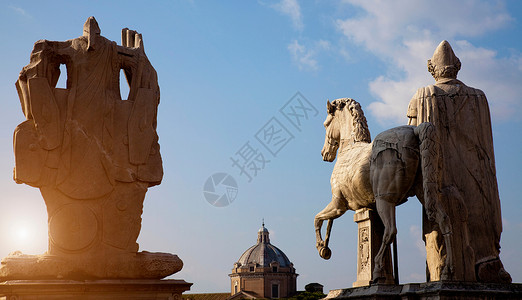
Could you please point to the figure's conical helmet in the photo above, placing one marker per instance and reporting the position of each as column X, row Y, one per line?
column 91, row 30
column 444, row 55
column 444, row 63
column 91, row 27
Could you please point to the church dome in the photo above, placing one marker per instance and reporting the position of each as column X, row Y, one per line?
column 263, row 254
column 263, row 271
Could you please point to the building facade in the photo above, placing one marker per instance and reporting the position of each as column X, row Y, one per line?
column 263, row 271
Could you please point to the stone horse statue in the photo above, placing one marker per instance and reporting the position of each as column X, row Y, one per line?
column 401, row 162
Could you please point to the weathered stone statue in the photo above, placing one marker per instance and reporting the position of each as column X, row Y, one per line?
column 467, row 184
column 92, row 155
column 379, row 174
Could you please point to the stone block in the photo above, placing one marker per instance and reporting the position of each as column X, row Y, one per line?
column 439, row 290
column 169, row 289
column 370, row 231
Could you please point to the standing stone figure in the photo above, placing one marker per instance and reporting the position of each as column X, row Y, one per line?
column 468, row 183
column 92, row 155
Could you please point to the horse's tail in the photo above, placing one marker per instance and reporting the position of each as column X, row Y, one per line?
column 430, row 166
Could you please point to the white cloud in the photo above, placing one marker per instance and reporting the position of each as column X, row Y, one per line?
column 324, row 45
column 345, row 54
column 292, row 9
column 20, row 11
column 305, row 57
column 416, row 235
column 301, row 56
column 406, row 38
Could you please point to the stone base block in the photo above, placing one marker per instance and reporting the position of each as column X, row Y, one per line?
column 140, row 265
column 371, row 231
column 128, row 289
column 433, row 291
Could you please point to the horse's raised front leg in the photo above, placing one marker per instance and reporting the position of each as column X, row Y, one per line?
column 386, row 211
column 336, row 208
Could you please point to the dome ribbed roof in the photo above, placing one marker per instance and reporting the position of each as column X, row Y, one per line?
column 263, row 253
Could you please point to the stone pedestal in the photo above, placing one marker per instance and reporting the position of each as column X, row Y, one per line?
column 438, row 290
column 370, row 232
column 93, row 289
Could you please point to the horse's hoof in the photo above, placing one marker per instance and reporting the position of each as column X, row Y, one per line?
column 381, row 281
column 325, row 252
column 378, row 277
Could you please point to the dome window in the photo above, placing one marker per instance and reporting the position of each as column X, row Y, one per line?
column 275, row 266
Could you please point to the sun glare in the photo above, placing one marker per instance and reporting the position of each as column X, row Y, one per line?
column 22, row 234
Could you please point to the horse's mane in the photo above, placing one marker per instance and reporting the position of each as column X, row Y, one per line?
column 360, row 133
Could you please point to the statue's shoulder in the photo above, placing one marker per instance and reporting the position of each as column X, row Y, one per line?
column 475, row 91
column 427, row 91
column 420, row 96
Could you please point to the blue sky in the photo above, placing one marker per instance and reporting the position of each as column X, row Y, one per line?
column 226, row 69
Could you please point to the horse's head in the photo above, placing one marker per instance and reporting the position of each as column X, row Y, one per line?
column 345, row 123
column 333, row 133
